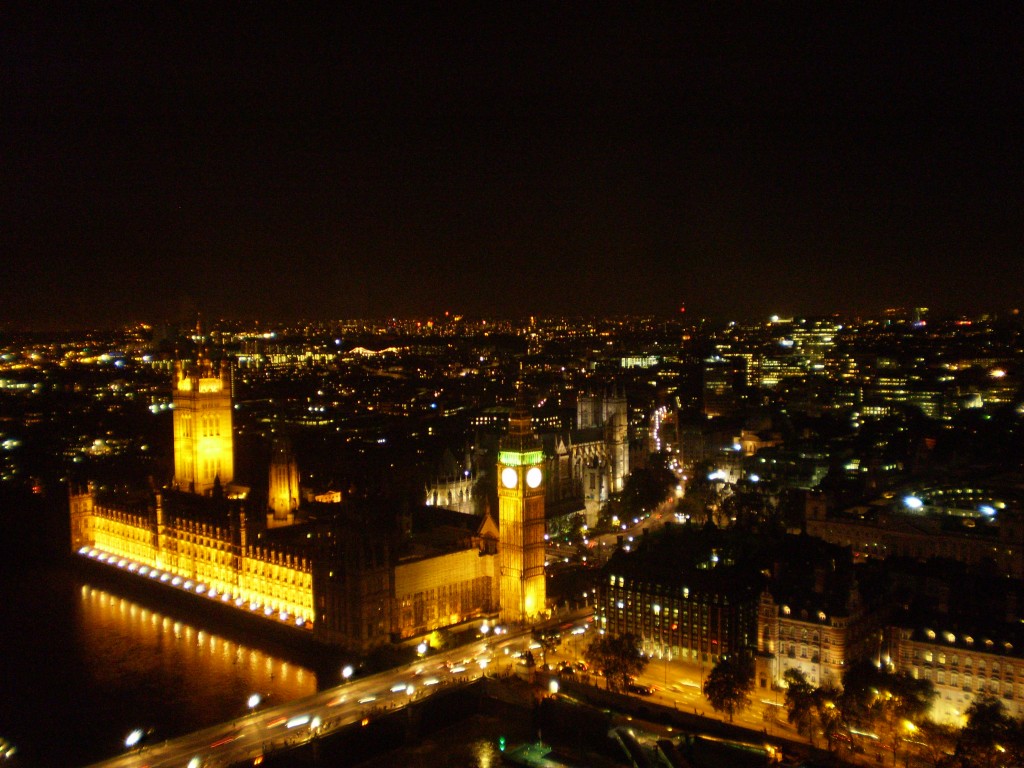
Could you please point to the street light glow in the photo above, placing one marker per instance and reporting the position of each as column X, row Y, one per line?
column 134, row 738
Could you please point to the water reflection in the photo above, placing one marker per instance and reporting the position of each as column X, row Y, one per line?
column 80, row 667
column 180, row 677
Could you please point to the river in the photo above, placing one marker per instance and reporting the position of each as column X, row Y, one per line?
column 81, row 666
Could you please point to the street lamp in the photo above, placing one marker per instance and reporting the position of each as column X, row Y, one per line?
column 346, row 672
column 254, row 701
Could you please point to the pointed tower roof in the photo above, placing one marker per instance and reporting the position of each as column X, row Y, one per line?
column 520, row 437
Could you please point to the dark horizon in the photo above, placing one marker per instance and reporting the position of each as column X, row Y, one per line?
column 800, row 160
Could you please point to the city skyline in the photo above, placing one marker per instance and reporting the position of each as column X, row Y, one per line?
column 795, row 493
column 522, row 162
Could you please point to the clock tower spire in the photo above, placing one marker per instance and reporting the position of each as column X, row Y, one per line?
column 521, row 518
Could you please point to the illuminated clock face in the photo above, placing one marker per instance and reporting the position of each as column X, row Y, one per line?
column 509, row 477
column 533, row 477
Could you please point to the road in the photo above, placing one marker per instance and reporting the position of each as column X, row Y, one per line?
column 677, row 685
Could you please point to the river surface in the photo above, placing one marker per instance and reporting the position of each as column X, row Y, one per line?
column 84, row 661
column 81, row 666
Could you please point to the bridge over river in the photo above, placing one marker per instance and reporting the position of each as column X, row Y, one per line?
column 270, row 729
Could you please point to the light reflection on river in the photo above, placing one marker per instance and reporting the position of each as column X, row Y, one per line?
column 126, row 641
column 81, row 667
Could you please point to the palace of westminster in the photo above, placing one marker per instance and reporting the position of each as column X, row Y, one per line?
column 354, row 574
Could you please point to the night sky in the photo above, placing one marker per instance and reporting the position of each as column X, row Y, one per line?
column 745, row 159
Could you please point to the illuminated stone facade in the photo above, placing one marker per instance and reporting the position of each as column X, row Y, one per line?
column 523, row 593
column 203, row 444
column 283, row 491
column 601, row 463
column 376, row 583
column 812, row 637
column 457, row 493
column 453, row 582
column 350, row 580
column 963, row 667
column 196, row 544
column 695, row 616
column 353, row 575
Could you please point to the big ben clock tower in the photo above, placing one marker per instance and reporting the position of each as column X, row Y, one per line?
column 521, row 520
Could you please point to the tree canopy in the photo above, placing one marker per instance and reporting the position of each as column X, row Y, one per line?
column 729, row 685
column 869, row 691
column 617, row 658
column 800, row 698
column 646, row 487
column 990, row 739
column 811, row 709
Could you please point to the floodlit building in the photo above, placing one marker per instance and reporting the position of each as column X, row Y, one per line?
column 521, row 521
column 682, row 594
column 584, row 466
column 963, row 666
column 283, row 491
column 200, row 544
column 811, row 616
column 203, row 437
column 353, row 574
